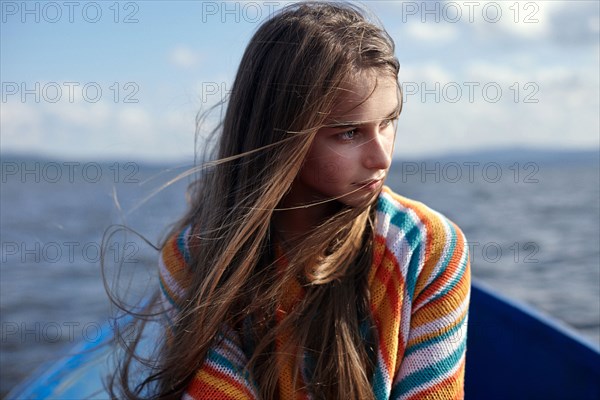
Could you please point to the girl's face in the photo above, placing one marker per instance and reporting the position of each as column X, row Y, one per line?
column 350, row 157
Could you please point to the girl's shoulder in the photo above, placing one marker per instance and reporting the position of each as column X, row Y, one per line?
column 400, row 215
column 174, row 271
column 423, row 244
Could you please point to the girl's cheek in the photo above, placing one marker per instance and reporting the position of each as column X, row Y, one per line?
column 328, row 172
column 389, row 143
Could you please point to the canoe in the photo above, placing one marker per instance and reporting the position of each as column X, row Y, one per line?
column 513, row 352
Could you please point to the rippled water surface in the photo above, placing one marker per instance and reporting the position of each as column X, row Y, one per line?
column 533, row 232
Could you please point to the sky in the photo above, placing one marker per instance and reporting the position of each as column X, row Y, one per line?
column 125, row 80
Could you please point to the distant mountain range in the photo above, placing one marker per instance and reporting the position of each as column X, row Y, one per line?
column 519, row 154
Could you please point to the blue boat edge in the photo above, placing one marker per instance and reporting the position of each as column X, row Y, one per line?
column 515, row 350
column 79, row 374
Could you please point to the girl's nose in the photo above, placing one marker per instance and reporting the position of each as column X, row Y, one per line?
column 378, row 153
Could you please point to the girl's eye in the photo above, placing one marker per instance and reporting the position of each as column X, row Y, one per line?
column 348, row 135
column 387, row 122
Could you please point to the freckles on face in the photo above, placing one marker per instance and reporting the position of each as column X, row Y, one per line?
column 350, row 157
column 323, row 168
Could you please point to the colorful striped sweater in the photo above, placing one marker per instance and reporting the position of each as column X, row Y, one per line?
column 419, row 284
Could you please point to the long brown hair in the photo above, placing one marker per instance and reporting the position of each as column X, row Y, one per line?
column 286, row 85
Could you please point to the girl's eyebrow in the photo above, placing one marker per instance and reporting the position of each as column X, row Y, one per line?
column 395, row 112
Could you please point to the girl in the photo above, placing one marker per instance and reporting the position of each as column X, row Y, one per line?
column 295, row 273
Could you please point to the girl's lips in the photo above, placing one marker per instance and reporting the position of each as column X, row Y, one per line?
column 370, row 184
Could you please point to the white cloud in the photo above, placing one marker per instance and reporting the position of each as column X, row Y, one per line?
column 530, row 20
column 563, row 22
column 82, row 130
column 438, row 33
column 184, row 57
column 80, row 114
column 550, row 105
column 594, row 24
column 21, row 128
column 565, row 115
column 425, row 72
column 484, row 71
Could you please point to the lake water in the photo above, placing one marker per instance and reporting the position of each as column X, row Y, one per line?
column 532, row 227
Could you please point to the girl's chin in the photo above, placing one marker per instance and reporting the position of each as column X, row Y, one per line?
column 362, row 198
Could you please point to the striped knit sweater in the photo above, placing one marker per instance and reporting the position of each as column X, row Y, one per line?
column 420, row 285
